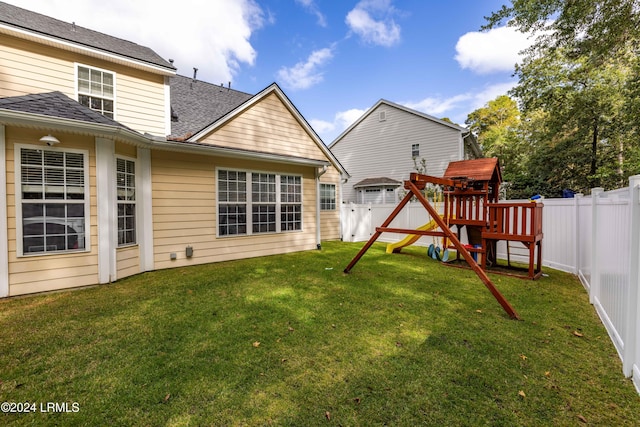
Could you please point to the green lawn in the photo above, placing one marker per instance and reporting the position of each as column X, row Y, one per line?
column 292, row 340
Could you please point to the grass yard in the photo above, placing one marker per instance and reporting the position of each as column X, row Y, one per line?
column 292, row 340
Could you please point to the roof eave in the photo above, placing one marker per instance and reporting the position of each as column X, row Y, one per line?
column 84, row 49
column 215, row 150
column 49, row 123
column 273, row 88
column 381, row 184
column 400, row 107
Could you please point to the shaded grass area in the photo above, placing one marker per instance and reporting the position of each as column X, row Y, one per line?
column 291, row 340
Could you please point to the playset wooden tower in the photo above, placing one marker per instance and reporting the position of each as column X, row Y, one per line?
column 471, row 192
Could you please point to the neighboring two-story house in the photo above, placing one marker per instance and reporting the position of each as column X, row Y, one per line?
column 111, row 164
column 390, row 141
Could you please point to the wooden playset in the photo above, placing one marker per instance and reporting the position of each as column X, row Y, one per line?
column 471, row 189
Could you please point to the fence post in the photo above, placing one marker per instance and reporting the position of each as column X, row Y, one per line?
column 633, row 316
column 351, row 222
column 576, row 233
column 594, row 285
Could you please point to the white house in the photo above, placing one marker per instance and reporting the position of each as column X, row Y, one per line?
column 383, row 146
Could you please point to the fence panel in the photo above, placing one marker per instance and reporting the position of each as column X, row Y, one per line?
column 612, row 244
column 584, row 246
column 559, row 228
column 596, row 238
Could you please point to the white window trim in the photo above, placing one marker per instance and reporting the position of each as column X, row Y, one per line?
column 115, row 88
column 135, row 202
column 335, row 197
column 18, row 200
column 249, row 203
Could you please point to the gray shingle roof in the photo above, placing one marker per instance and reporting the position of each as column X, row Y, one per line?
column 55, row 104
column 374, row 182
column 196, row 104
column 45, row 25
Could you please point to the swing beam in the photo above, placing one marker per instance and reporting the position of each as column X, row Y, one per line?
column 415, row 184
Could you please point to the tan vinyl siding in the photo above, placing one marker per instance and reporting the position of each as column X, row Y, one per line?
column 267, row 126
column 126, row 150
column 140, row 102
column 127, row 261
column 375, row 149
column 184, row 212
column 28, row 68
column 38, row 273
column 330, row 220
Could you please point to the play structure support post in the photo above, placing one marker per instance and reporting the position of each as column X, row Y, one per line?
column 461, row 249
column 377, row 234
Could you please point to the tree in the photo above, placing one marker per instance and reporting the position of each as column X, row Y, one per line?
column 579, row 90
column 583, row 124
column 496, row 126
column 598, row 29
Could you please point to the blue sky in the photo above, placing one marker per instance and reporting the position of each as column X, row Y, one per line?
column 333, row 58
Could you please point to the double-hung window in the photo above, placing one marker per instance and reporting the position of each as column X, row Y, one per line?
column 52, row 199
column 415, row 150
column 327, row 197
column 291, row 202
column 126, row 189
column 232, row 203
column 256, row 202
column 96, row 90
column 263, row 206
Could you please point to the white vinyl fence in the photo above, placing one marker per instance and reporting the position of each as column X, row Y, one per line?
column 596, row 238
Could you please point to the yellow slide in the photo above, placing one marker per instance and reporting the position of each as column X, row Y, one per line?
column 411, row 238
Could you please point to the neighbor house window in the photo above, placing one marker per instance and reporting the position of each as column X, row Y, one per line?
column 52, row 199
column 255, row 202
column 96, row 90
column 415, row 150
column 327, row 197
column 126, row 189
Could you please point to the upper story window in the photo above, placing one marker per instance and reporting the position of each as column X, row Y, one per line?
column 126, row 188
column 52, row 199
column 415, row 150
column 96, row 90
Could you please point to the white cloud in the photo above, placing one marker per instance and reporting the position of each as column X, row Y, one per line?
column 328, row 131
column 496, row 50
column 458, row 107
column 491, row 92
column 322, row 126
column 313, row 8
column 306, row 73
column 344, row 119
column 438, row 106
column 216, row 43
column 382, row 31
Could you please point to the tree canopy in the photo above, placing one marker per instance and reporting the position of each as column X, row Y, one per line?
column 578, row 94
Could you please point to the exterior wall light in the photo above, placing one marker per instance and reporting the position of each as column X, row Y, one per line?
column 50, row 140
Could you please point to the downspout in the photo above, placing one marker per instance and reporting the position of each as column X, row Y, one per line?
column 319, row 173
